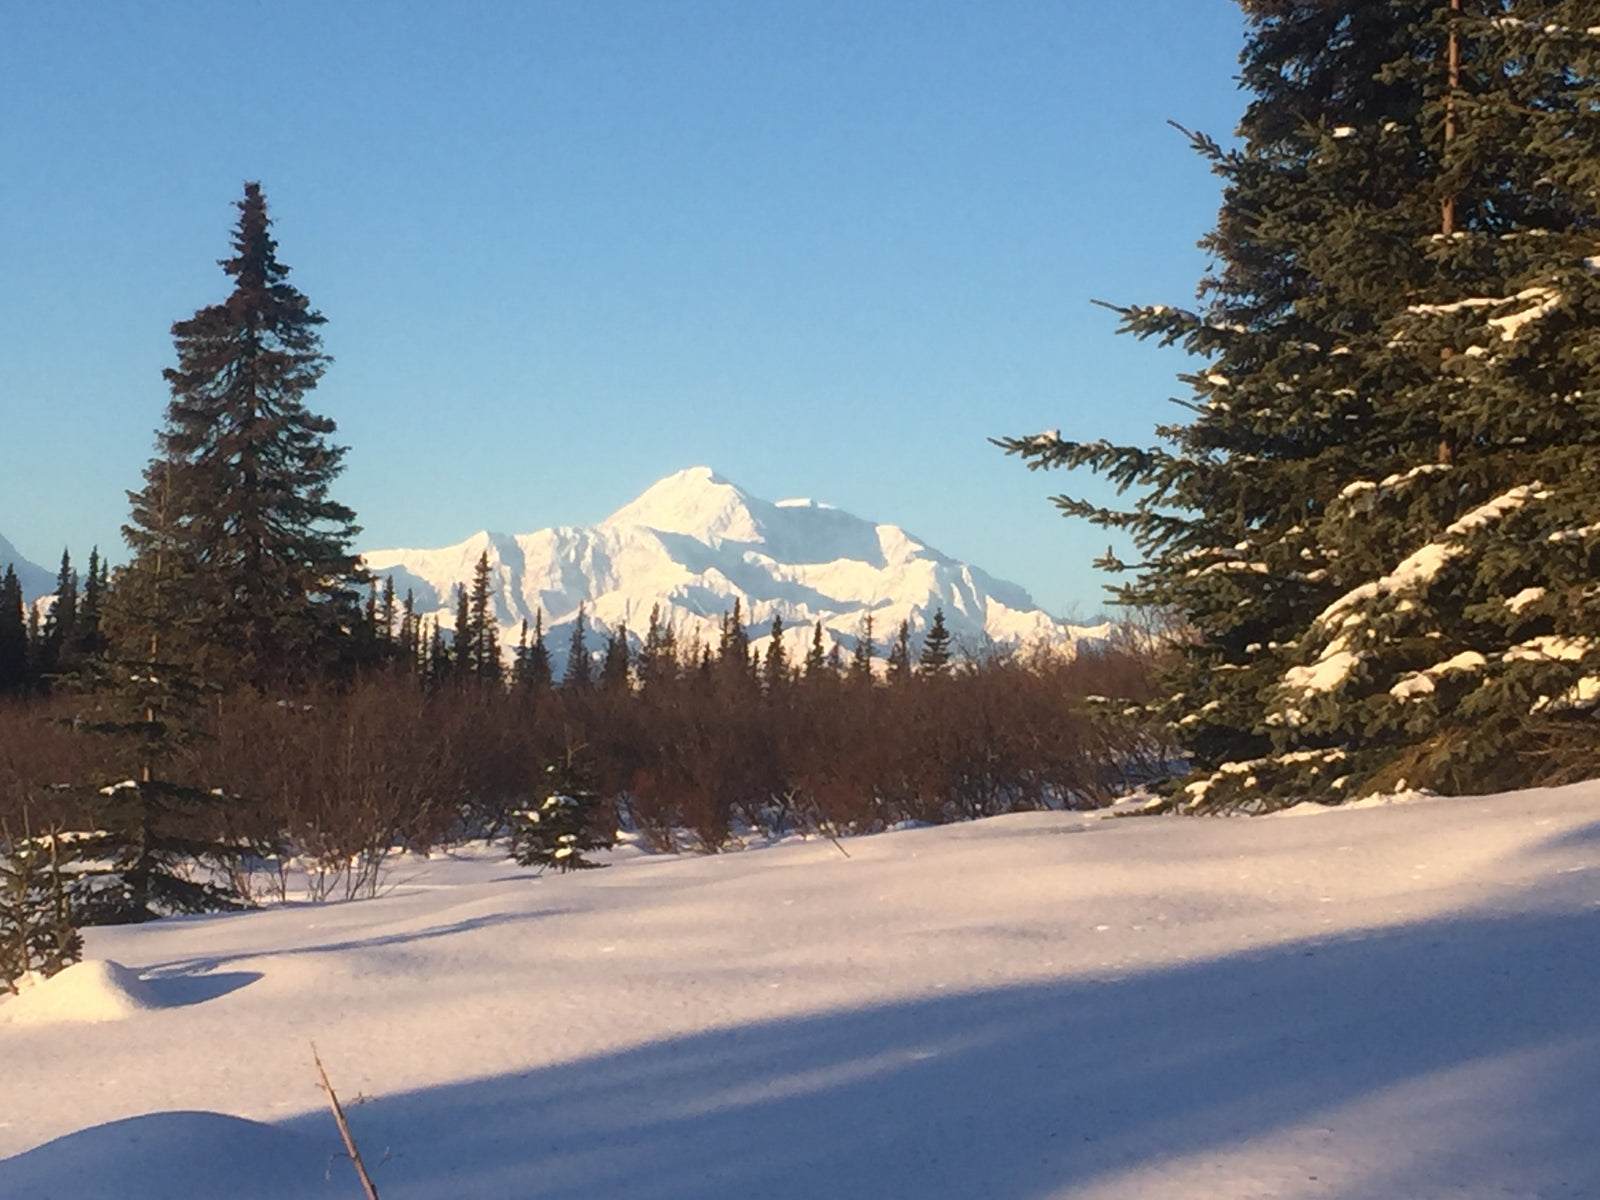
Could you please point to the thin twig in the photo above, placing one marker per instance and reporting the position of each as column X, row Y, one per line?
column 344, row 1127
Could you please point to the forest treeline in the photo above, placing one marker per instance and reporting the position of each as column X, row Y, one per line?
column 689, row 752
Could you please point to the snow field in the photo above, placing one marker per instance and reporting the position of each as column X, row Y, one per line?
column 1386, row 1001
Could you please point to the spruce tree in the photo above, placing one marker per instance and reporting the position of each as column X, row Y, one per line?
column 615, row 663
column 13, row 635
column 579, row 675
column 89, row 642
column 388, row 617
column 268, row 575
column 775, row 670
column 566, row 820
column 861, row 656
column 464, row 648
column 408, row 640
column 816, row 657
column 658, row 657
column 485, row 634
column 59, row 640
column 1379, row 519
column 435, row 658
column 519, row 657
column 155, row 834
column 539, row 674
column 900, row 654
column 935, row 656
column 38, row 933
column 733, row 645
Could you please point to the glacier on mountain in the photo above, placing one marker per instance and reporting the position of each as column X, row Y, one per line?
column 694, row 543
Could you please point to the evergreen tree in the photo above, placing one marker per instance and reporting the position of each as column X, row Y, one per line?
column 436, row 659
column 658, row 657
column 775, row 671
column 539, row 674
column 262, row 550
column 861, row 656
column 485, row 629
column 900, row 654
column 59, row 639
column 35, row 634
column 579, row 675
column 816, row 657
column 37, row 929
column 464, row 648
column 566, row 821
column 1379, row 520
column 733, row 645
column 89, row 643
column 13, row 635
column 935, row 656
column 154, row 838
column 519, row 657
column 615, row 663
column 388, row 616
column 408, row 642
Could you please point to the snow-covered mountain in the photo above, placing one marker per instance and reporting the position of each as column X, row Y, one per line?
column 694, row 543
column 35, row 580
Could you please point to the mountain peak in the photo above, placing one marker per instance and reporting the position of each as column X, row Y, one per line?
column 696, row 502
column 694, row 544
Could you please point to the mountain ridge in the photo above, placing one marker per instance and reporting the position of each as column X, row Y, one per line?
column 35, row 580
column 695, row 542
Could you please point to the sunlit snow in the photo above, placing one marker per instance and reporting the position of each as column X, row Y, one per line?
column 1366, row 1004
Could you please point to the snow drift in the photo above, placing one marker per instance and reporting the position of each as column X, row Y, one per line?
column 1372, row 1002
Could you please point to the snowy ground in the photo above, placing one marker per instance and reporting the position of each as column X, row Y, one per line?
column 1397, row 1001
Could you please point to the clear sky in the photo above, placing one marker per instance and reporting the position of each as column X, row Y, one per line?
column 826, row 247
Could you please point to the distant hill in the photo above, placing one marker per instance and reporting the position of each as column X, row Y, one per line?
column 694, row 543
column 36, row 581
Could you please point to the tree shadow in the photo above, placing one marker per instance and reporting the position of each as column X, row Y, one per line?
column 1036, row 1091
column 190, row 967
column 180, row 990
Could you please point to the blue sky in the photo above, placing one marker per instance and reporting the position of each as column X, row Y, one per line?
column 567, row 248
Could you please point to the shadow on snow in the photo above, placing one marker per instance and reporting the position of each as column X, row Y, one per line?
column 1018, row 1092
column 1022, row 1091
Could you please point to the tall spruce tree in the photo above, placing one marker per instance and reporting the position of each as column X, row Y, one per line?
column 58, row 644
column 579, row 675
column 861, row 655
column 775, row 670
column 13, row 634
column 89, row 642
column 485, row 629
column 816, row 656
column 733, row 646
column 538, row 673
column 1379, row 519
column 900, row 654
column 269, row 578
column 464, row 656
column 658, row 657
column 615, row 664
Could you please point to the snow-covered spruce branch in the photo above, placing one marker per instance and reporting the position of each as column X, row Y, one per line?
column 1348, row 619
